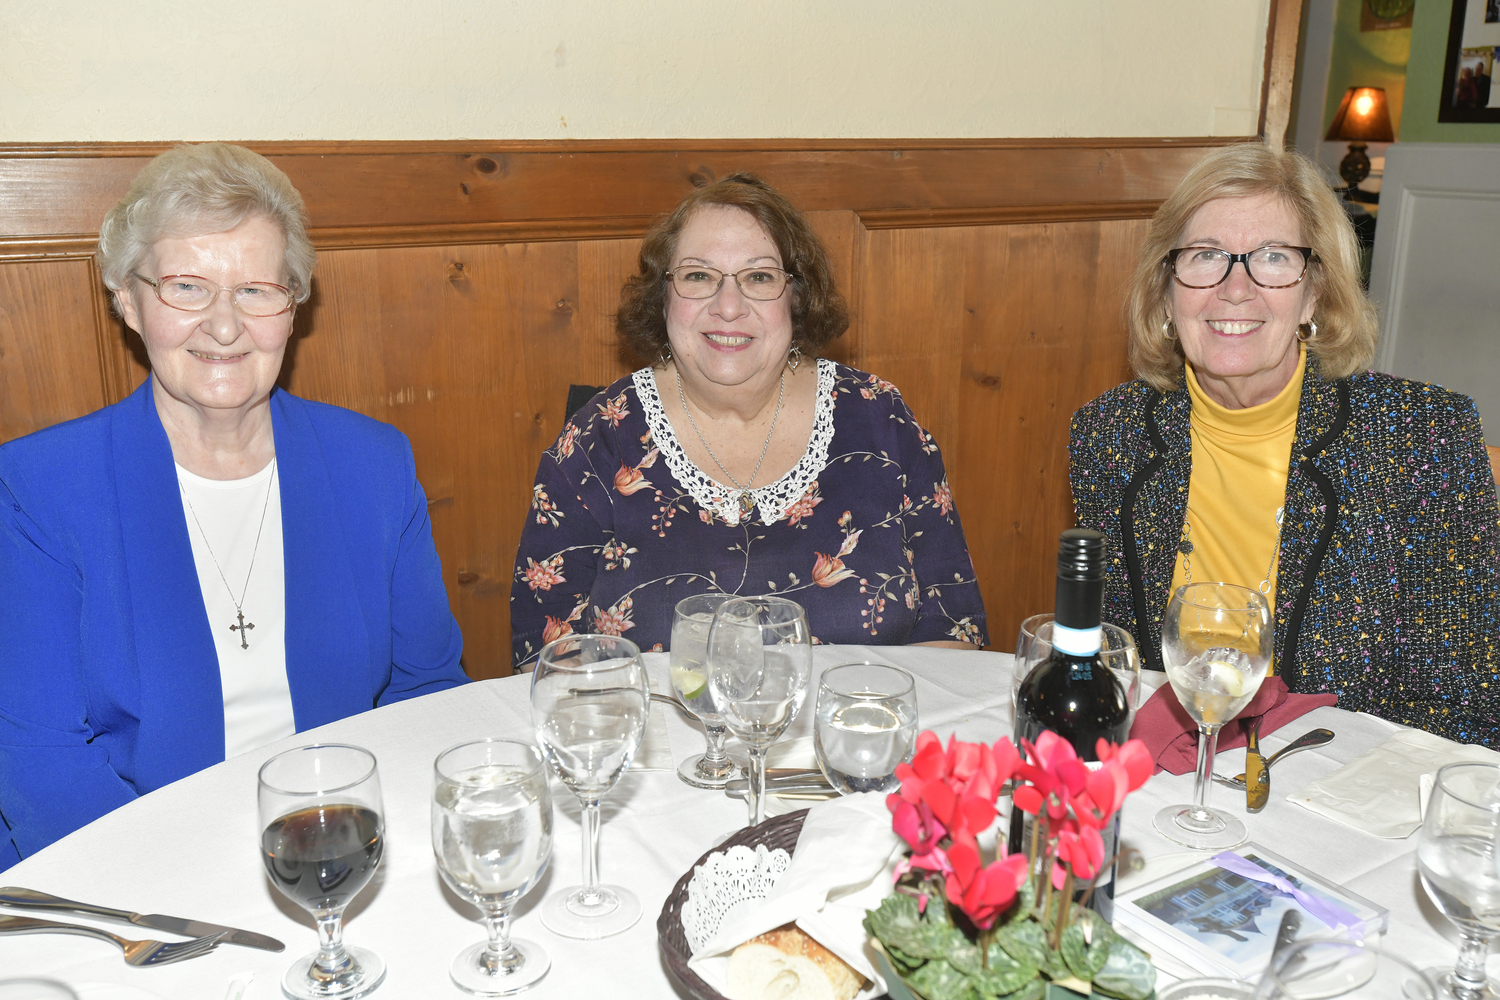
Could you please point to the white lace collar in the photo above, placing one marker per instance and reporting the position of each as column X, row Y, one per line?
column 772, row 500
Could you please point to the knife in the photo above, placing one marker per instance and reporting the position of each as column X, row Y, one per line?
column 1257, row 778
column 31, row 899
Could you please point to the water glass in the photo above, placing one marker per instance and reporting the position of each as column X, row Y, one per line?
column 1458, row 856
column 864, row 724
column 759, row 662
column 322, row 836
column 492, row 838
column 1117, row 651
column 1216, row 643
column 689, row 670
column 589, row 699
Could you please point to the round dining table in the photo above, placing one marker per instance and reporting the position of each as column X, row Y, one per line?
column 191, row 849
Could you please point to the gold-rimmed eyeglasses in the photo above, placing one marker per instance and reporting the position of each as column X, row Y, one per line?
column 697, row 281
column 192, row 293
column 1269, row 266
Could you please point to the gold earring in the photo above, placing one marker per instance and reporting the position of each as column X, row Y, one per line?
column 1309, row 332
column 1168, row 330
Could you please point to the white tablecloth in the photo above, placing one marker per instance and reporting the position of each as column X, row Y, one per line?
column 191, row 849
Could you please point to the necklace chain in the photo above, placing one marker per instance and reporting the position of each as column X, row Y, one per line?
column 746, row 502
column 1185, row 546
column 239, row 605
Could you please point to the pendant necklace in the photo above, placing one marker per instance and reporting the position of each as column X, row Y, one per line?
column 1185, row 546
column 239, row 606
column 746, row 500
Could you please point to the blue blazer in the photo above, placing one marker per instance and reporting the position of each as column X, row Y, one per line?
column 109, row 682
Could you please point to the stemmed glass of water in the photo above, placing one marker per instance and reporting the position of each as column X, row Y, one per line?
column 864, row 724
column 759, row 662
column 689, row 669
column 322, row 836
column 1216, row 643
column 1458, row 855
column 589, row 699
column 492, row 837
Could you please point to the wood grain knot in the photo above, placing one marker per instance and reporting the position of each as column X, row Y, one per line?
column 456, row 273
column 464, row 188
column 989, row 381
column 565, row 307
column 702, row 177
column 467, row 579
column 486, row 165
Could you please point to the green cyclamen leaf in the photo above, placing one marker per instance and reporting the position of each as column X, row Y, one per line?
column 1005, row 975
column 1084, row 959
column 1025, row 941
column 904, row 963
column 940, row 981
column 963, row 955
column 1127, row 973
column 1031, row 991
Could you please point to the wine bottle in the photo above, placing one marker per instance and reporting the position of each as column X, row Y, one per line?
column 1072, row 693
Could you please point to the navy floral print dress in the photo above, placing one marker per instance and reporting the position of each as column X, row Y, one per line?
column 862, row 532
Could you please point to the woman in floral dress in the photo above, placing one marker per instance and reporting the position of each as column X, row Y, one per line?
column 739, row 462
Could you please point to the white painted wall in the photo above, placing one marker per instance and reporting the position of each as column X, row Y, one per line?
column 89, row 70
column 1433, row 273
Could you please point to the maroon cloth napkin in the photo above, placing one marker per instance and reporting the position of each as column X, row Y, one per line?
column 1172, row 736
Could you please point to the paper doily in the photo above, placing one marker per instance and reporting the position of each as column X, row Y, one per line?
column 727, row 882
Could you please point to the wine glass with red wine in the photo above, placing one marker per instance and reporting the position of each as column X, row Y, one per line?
column 322, row 830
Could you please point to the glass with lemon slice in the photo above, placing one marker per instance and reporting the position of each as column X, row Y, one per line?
column 1216, row 645
column 689, row 671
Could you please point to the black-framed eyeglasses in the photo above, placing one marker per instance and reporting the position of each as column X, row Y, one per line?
column 697, row 281
column 1270, row 266
column 192, row 293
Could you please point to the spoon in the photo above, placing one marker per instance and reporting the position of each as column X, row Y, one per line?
column 1316, row 738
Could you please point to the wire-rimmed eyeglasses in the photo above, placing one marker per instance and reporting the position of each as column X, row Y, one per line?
column 192, row 293
column 1271, row 266
column 698, row 281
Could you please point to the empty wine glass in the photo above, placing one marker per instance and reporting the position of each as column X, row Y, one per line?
column 1458, row 855
column 689, row 669
column 322, row 836
column 589, row 699
column 759, row 661
column 864, row 724
column 492, row 837
column 1117, row 651
column 1322, row 969
column 1216, row 644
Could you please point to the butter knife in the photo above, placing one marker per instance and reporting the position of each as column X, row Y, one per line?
column 31, row 899
column 1257, row 778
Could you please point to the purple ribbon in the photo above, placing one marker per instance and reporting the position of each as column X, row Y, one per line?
column 1330, row 913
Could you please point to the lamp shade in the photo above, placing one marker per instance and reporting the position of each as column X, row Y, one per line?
column 1362, row 117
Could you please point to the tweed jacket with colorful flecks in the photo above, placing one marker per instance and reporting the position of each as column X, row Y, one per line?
column 1388, row 580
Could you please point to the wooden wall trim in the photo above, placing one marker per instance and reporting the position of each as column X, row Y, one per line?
column 935, row 218
column 479, row 146
column 1283, row 34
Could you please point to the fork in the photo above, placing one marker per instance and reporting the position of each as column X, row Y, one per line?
column 136, row 952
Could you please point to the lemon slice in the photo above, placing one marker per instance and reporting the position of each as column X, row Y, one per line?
column 1228, row 678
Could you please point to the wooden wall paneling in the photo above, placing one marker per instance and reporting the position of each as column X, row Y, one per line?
column 49, row 349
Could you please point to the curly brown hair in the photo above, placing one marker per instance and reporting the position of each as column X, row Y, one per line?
column 818, row 311
column 1346, row 321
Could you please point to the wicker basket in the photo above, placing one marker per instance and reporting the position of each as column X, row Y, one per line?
column 780, row 832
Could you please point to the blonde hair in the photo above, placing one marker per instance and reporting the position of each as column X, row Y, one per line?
column 191, row 190
column 1346, row 320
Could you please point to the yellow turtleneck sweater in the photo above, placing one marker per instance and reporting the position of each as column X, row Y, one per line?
column 1240, row 464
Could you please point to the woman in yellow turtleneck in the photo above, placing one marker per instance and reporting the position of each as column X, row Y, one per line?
column 1256, row 449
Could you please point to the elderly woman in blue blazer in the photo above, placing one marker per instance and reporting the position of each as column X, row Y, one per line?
column 211, row 564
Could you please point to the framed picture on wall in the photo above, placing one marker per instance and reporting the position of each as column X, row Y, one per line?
column 1473, row 48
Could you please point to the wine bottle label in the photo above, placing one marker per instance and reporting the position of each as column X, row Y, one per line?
column 1077, row 641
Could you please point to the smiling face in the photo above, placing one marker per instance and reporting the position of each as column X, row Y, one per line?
column 728, row 339
column 218, row 359
column 1241, row 338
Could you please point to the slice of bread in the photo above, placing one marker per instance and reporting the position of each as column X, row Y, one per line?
column 787, row 964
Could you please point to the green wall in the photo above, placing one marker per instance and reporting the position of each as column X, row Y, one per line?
column 1369, row 59
column 1424, row 78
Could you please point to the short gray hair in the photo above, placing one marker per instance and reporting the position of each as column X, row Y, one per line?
column 192, row 190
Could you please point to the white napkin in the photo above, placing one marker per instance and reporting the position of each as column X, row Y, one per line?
column 841, row 868
column 1378, row 792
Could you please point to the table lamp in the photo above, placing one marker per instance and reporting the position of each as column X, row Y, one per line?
column 1362, row 118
